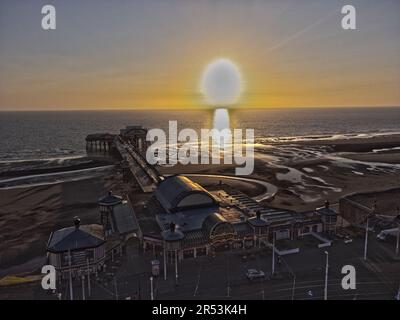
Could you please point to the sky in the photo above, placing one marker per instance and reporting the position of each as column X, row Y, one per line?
column 150, row 54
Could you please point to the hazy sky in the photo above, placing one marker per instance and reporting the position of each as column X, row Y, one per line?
column 151, row 53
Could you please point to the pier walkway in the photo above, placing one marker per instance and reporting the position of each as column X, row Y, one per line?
column 145, row 174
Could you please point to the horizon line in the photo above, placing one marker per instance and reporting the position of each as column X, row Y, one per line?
column 193, row 108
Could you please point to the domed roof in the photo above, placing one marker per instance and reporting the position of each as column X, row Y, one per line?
column 177, row 193
column 213, row 221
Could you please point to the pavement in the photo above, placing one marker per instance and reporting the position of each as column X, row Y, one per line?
column 297, row 276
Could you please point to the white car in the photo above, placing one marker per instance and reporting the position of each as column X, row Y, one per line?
column 348, row 240
column 253, row 274
column 388, row 233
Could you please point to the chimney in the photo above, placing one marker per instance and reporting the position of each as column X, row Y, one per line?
column 110, row 193
column 172, row 227
column 327, row 204
column 77, row 222
column 258, row 214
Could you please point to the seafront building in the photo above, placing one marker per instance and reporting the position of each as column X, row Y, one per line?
column 82, row 249
column 203, row 222
column 173, row 216
column 382, row 209
column 117, row 217
column 77, row 250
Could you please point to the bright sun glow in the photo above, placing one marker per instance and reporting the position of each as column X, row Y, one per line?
column 221, row 83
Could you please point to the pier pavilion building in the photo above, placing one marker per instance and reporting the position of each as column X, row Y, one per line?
column 184, row 219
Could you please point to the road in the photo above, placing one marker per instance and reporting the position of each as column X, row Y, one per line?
column 223, row 277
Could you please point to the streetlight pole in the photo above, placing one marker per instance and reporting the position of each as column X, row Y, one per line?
column 294, row 285
column 139, row 288
column 228, row 288
column 88, row 275
column 293, row 275
column 176, row 267
column 273, row 253
column 165, row 262
column 398, row 241
column 116, row 288
column 83, row 287
column 366, row 239
column 397, row 219
column 151, row 289
column 326, row 276
column 262, row 291
column 71, row 291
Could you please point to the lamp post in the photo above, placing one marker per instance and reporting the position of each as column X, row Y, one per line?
column 228, row 278
column 139, row 288
column 294, row 286
column 293, row 275
column 71, row 291
column 367, row 228
column 273, row 252
column 88, row 275
column 366, row 239
column 176, row 267
column 151, row 289
column 397, row 219
column 172, row 241
column 326, row 276
column 165, row 261
column 115, row 287
column 398, row 240
column 83, row 287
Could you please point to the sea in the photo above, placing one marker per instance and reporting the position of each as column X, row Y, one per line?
column 46, row 135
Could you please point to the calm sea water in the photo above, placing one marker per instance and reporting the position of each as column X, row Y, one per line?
column 40, row 135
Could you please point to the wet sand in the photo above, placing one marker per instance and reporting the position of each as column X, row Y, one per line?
column 356, row 144
column 15, row 169
column 29, row 214
column 319, row 170
column 305, row 173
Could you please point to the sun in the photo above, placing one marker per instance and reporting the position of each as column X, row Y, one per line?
column 221, row 83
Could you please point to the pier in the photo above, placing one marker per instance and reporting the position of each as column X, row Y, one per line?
column 99, row 142
column 145, row 174
column 130, row 145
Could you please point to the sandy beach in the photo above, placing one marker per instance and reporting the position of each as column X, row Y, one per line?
column 300, row 175
column 29, row 214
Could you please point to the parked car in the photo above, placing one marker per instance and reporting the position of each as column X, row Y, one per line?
column 253, row 274
column 347, row 239
column 385, row 235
